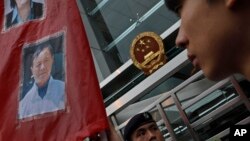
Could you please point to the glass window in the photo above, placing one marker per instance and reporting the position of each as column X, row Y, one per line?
column 216, row 125
column 116, row 23
column 177, row 124
column 210, row 103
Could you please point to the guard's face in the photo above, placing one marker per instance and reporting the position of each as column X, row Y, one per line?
column 147, row 132
column 210, row 33
column 41, row 67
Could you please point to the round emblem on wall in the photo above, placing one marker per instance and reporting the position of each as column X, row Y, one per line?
column 147, row 52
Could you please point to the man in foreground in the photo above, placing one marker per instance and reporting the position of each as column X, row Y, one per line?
column 216, row 34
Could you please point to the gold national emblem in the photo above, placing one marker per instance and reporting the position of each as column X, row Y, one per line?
column 147, row 52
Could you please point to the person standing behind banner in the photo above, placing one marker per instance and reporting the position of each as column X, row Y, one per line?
column 216, row 34
column 46, row 94
column 23, row 10
column 142, row 127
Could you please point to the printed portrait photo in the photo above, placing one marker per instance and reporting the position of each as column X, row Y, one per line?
column 43, row 78
column 19, row 11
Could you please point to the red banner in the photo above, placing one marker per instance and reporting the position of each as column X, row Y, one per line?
column 48, row 86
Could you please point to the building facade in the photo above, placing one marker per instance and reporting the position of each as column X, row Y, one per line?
column 185, row 104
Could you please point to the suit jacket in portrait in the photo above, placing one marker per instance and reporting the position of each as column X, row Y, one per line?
column 36, row 12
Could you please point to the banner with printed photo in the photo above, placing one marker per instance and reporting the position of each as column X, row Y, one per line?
column 48, row 85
